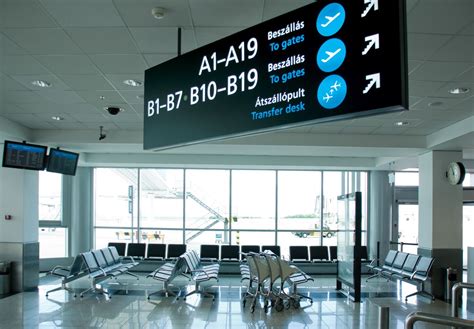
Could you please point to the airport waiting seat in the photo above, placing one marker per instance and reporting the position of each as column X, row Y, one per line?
column 319, row 253
column 68, row 274
column 274, row 249
column 333, row 253
column 377, row 269
column 156, row 251
column 408, row 268
column 229, row 253
column 397, row 265
column 120, row 246
column 175, row 250
column 136, row 250
column 299, row 253
column 248, row 248
column 209, row 252
column 420, row 276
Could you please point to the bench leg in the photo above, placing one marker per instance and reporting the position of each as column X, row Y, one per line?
column 421, row 292
column 131, row 274
column 95, row 289
column 201, row 292
column 62, row 287
column 376, row 275
column 165, row 290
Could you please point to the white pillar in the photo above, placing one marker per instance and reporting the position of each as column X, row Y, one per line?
column 19, row 235
column 440, row 215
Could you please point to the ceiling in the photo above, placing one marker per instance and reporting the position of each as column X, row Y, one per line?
column 87, row 48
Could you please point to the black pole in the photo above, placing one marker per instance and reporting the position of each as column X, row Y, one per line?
column 179, row 41
column 378, row 253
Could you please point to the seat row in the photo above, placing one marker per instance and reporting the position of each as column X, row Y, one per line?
column 227, row 252
column 187, row 263
column 404, row 266
column 98, row 265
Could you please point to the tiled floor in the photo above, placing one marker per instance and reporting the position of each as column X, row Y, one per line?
column 129, row 308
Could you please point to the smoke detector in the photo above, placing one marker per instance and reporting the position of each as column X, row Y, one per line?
column 158, row 12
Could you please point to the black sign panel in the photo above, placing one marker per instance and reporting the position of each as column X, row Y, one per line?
column 62, row 162
column 24, row 156
column 326, row 61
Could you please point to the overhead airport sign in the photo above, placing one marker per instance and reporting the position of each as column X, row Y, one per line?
column 326, row 61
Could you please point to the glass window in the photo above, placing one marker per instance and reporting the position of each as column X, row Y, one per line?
column 115, row 197
column 253, row 199
column 407, row 179
column 245, row 238
column 52, row 242
column 332, row 188
column 467, row 229
column 49, row 195
column 161, row 198
column 468, row 180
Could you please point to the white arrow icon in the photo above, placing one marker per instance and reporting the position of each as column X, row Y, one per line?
column 374, row 79
column 372, row 4
column 373, row 40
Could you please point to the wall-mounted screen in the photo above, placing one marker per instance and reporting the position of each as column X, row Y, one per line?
column 326, row 61
column 62, row 162
column 24, row 155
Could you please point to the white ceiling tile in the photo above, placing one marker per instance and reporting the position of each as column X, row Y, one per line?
column 275, row 8
column 357, row 130
column 297, row 130
column 424, row 88
column 82, row 109
column 466, row 105
column 93, row 13
column 422, row 46
column 155, row 59
column 163, row 39
column 322, row 129
column 22, row 64
column 68, row 64
column 108, row 40
column 460, row 48
column 410, row 4
column 417, row 131
column 467, row 76
column 206, row 35
column 413, row 100
column 375, row 121
column 47, row 116
column 8, row 47
column 440, row 103
column 389, row 130
column 23, row 97
column 68, row 125
column 61, row 96
column 86, row 82
column 138, row 13
column 107, row 126
column 216, row 13
column 130, row 125
column 117, row 80
column 45, row 106
column 439, row 71
column 435, row 124
column 445, row 17
column 413, row 65
column 468, row 30
column 119, row 64
column 26, row 80
column 90, row 118
column 43, row 41
column 133, row 96
column 7, row 84
column 15, row 13
column 93, row 97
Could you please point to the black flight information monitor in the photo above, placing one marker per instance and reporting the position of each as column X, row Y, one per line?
column 329, row 60
column 24, row 156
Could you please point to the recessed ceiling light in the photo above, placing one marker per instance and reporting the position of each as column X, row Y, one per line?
column 133, row 83
column 140, row 96
column 435, row 104
column 158, row 12
column 401, row 123
column 459, row 90
column 57, row 118
column 41, row 83
column 101, row 97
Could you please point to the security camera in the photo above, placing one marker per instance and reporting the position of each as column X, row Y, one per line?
column 113, row 110
column 102, row 135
